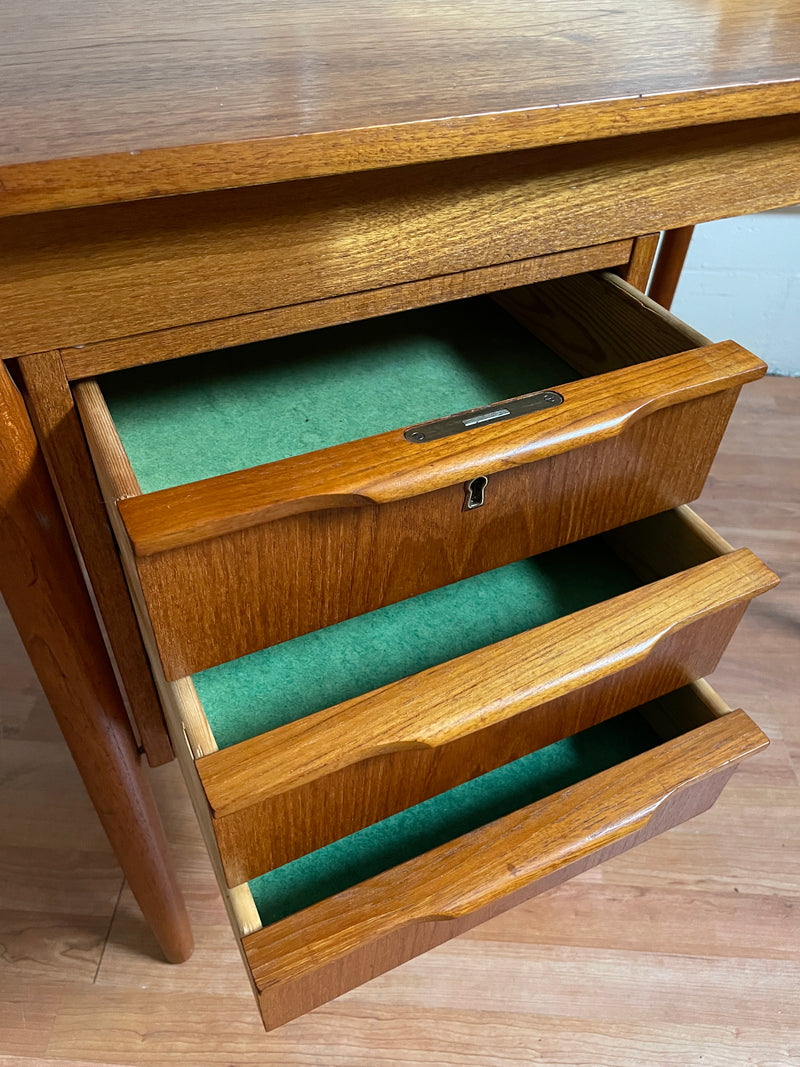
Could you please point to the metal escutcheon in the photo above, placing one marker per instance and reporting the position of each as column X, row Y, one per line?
column 475, row 493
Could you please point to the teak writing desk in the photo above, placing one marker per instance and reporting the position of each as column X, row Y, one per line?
column 195, row 181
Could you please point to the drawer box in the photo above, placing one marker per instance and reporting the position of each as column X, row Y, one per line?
column 343, row 518
column 394, row 910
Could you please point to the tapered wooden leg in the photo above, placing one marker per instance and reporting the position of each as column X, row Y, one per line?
column 49, row 603
column 637, row 269
column 669, row 264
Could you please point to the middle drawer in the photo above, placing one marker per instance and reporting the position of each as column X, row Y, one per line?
column 337, row 513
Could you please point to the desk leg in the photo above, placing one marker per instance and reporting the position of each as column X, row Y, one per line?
column 669, row 264
column 49, row 603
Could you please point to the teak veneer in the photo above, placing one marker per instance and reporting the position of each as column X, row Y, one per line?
column 284, row 795
column 385, row 469
column 309, row 958
column 87, row 275
column 64, row 446
column 220, row 98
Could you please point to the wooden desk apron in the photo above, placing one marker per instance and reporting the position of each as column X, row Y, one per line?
column 256, row 262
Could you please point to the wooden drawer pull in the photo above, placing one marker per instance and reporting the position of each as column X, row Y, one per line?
column 366, row 758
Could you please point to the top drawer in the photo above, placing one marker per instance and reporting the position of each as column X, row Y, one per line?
column 282, row 482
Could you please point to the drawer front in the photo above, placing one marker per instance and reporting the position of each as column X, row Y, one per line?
column 303, row 542
column 306, row 959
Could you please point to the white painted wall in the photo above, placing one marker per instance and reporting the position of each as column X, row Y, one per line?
column 741, row 280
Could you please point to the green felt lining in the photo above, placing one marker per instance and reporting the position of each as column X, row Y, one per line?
column 386, row 844
column 233, row 409
column 285, row 682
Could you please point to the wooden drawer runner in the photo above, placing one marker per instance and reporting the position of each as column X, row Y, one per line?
column 322, row 510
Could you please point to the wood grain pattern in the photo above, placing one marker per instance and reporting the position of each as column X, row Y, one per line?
column 272, row 583
column 599, row 322
column 188, row 729
column 757, row 31
column 43, row 586
column 306, row 959
column 443, row 703
column 102, row 107
column 64, row 446
column 660, row 545
column 637, row 270
column 103, row 356
column 294, row 789
column 683, row 948
column 76, row 277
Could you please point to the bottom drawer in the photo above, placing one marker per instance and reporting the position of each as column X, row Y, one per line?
column 348, row 912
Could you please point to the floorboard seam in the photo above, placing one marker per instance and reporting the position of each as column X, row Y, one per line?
column 108, row 931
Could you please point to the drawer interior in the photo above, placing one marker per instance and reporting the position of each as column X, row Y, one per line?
column 285, row 682
column 282, row 683
column 419, row 829
column 268, row 401
column 247, row 472
column 394, row 736
column 455, row 813
column 389, row 735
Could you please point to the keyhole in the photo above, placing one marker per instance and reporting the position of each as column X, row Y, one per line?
column 475, row 493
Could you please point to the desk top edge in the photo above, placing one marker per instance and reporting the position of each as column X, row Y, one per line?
column 170, row 170
column 101, row 103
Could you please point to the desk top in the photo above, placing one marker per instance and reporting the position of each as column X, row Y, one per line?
column 107, row 102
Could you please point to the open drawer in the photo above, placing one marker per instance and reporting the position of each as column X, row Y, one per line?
column 369, row 903
column 292, row 483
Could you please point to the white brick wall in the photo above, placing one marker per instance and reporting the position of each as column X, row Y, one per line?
column 741, row 280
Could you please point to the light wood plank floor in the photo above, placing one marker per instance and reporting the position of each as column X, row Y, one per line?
column 684, row 951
